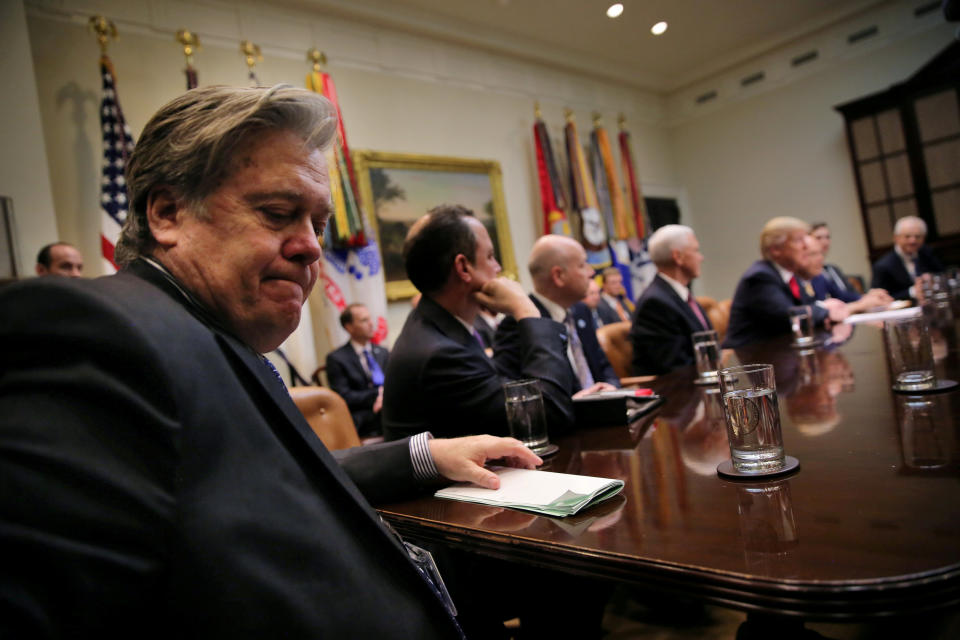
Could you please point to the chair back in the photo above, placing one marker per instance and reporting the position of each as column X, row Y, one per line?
column 327, row 414
column 614, row 339
column 720, row 317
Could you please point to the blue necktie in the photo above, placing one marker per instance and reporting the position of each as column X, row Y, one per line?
column 376, row 373
column 276, row 373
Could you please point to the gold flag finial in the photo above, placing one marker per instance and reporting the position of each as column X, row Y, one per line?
column 317, row 57
column 105, row 31
column 190, row 42
column 251, row 53
column 568, row 114
column 596, row 119
column 622, row 121
column 536, row 110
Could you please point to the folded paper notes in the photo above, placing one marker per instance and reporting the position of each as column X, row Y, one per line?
column 544, row 492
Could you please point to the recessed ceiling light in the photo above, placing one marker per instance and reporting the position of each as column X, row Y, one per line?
column 615, row 10
column 658, row 28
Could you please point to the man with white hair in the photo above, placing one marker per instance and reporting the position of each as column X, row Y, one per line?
column 769, row 288
column 667, row 312
column 900, row 270
column 561, row 276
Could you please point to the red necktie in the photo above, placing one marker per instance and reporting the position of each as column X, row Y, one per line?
column 794, row 287
column 696, row 310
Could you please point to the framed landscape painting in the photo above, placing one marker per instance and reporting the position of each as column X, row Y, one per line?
column 399, row 188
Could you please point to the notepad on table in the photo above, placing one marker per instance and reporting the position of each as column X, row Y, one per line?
column 880, row 316
column 544, row 492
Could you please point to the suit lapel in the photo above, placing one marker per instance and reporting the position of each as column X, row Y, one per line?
column 693, row 322
column 449, row 326
column 357, row 365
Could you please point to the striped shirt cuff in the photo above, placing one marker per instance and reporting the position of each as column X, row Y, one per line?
column 424, row 469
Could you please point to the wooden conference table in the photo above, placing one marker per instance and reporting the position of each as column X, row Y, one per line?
column 869, row 525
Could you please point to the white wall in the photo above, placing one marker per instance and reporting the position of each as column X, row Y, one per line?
column 784, row 152
column 23, row 164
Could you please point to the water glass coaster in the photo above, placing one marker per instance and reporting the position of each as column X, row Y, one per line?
column 726, row 470
column 941, row 386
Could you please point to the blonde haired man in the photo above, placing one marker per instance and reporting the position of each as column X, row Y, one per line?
column 770, row 287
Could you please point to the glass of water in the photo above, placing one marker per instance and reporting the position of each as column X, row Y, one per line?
column 753, row 418
column 707, row 354
column 801, row 323
column 525, row 414
column 911, row 354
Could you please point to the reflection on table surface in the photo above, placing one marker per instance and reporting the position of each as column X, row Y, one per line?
column 875, row 506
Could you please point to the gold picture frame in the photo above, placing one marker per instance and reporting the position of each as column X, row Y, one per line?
column 398, row 188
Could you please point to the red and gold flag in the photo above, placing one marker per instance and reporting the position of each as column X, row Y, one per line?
column 633, row 188
column 348, row 227
column 552, row 198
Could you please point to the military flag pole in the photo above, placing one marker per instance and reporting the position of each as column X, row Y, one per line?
column 191, row 44
column 552, row 199
column 583, row 199
column 611, row 202
column 352, row 268
column 642, row 269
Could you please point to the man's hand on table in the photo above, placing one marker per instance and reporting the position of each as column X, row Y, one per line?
column 596, row 388
column 462, row 459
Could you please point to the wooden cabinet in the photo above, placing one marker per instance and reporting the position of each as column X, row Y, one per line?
column 905, row 149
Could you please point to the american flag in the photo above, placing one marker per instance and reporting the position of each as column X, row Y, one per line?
column 117, row 147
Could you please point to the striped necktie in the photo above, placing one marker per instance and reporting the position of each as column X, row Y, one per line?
column 581, row 368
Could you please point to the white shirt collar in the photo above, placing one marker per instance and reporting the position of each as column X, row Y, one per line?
column 359, row 348
column 611, row 300
column 784, row 274
column 902, row 255
column 556, row 312
column 466, row 325
column 682, row 290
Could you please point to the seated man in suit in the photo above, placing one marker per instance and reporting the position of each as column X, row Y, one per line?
column 355, row 370
column 835, row 283
column 769, row 288
column 486, row 325
column 667, row 312
column 438, row 377
column 560, row 273
column 815, row 284
column 60, row 259
column 614, row 305
column 901, row 270
column 157, row 478
column 592, row 300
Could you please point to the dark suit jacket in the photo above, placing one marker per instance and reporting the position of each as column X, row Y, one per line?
column 440, row 380
column 890, row 274
column 508, row 352
column 660, row 333
column 607, row 313
column 347, row 377
column 158, row 482
column 847, row 293
column 760, row 306
column 485, row 330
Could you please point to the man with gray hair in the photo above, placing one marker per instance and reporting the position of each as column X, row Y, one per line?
column 769, row 288
column 667, row 313
column 158, row 479
column 901, row 270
